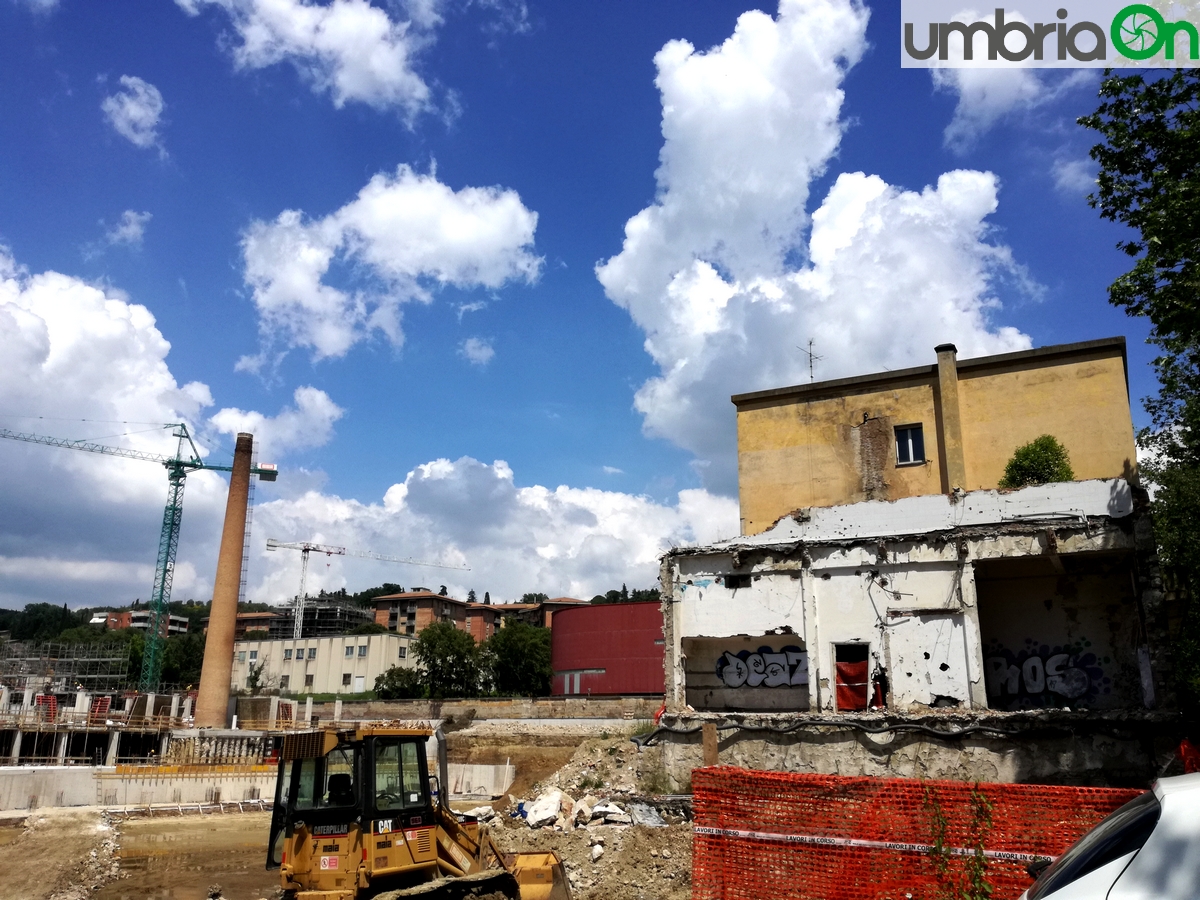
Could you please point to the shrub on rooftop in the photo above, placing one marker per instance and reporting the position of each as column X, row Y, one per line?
column 1042, row 461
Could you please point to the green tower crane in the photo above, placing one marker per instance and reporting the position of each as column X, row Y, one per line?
column 178, row 467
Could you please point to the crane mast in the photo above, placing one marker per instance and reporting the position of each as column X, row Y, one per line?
column 306, row 547
column 186, row 459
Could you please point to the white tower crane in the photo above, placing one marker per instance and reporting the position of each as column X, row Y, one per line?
column 306, row 547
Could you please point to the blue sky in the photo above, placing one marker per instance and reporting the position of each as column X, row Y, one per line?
column 398, row 210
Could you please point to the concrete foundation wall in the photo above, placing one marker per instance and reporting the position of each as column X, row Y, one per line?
column 1132, row 754
column 520, row 708
column 30, row 787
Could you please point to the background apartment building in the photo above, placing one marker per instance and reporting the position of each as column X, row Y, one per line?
column 343, row 664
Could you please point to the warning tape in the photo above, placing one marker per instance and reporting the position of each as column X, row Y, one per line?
column 824, row 841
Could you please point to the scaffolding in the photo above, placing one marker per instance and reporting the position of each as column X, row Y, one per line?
column 322, row 618
column 56, row 668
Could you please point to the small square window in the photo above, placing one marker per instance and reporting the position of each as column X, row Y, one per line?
column 287, row 654
column 362, row 650
column 910, row 445
column 253, row 655
column 403, row 652
column 346, row 679
column 308, row 681
column 283, row 682
column 312, row 652
column 241, row 656
column 349, row 651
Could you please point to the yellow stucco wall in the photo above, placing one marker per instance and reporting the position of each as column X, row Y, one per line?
column 1083, row 403
column 798, row 454
column 811, row 447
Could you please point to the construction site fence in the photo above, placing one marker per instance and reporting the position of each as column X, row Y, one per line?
column 71, row 720
column 829, row 837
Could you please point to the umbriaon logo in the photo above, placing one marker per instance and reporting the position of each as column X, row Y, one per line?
column 1044, row 34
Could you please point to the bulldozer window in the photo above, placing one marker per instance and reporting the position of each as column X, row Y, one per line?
column 327, row 782
column 397, row 775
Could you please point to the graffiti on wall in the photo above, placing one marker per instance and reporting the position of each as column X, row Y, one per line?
column 766, row 667
column 1040, row 675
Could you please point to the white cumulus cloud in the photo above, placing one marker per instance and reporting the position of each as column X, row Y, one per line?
column 985, row 97
column 349, row 49
column 130, row 230
column 562, row 541
column 136, row 111
column 729, row 279
column 84, row 361
column 1074, row 176
column 307, row 424
column 408, row 232
column 477, row 351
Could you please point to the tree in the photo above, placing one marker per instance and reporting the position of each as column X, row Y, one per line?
column 471, row 596
column 1042, row 461
column 1149, row 180
column 520, row 659
column 442, row 591
column 487, row 599
column 364, row 598
column 534, row 598
column 183, row 656
column 626, row 596
column 399, row 684
column 254, row 677
column 449, row 661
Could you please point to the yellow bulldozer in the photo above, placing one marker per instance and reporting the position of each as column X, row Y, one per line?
column 357, row 814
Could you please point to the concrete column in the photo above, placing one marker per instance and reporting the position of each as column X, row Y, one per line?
column 27, row 700
column 812, row 644
column 273, row 712
column 954, row 459
column 973, row 636
column 16, row 748
column 337, row 710
column 5, row 699
column 82, row 700
column 187, row 707
column 149, row 713
column 174, row 707
column 308, row 711
column 164, row 745
column 60, row 747
column 213, row 697
column 114, row 743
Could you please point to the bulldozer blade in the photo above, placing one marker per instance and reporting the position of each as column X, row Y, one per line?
column 478, row 884
column 540, row 876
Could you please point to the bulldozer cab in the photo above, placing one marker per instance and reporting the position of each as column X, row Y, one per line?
column 338, row 788
column 356, row 811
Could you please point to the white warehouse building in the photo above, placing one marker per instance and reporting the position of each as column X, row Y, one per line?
column 343, row 664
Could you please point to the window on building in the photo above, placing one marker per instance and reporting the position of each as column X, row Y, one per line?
column 287, row 654
column 253, row 655
column 733, row 582
column 345, row 679
column 283, row 682
column 851, row 662
column 362, row 650
column 312, row 652
column 910, row 445
column 410, row 629
column 403, row 652
column 308, row 681
column 241, row 656
column 349, row 651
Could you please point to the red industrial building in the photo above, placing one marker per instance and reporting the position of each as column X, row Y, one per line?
column 610, row 648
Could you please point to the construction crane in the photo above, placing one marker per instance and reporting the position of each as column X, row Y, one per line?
column 178, row 467
column 306, row 547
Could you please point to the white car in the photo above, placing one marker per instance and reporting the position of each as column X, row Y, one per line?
column 1149, row 849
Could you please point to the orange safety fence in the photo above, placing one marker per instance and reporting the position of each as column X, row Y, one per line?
column 826, row 837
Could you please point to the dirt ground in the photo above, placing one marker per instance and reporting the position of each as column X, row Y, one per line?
column 56, row 854
column 77, row 854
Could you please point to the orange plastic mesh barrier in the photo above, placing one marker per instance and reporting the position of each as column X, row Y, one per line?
column 824, row 837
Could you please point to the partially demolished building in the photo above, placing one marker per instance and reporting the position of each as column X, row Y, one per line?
column 889, row 610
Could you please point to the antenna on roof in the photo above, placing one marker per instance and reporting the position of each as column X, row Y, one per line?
column 812, row 358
